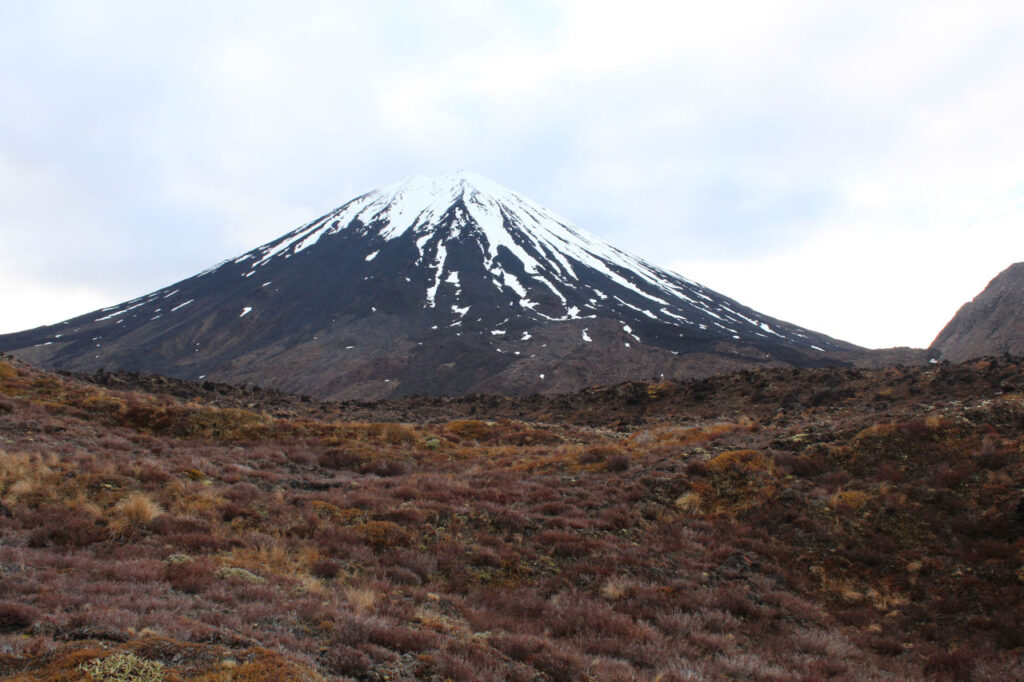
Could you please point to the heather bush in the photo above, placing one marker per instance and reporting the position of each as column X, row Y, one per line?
column 102, row 622
column 383, row 534
column 616, row 463
column 384, row 467
column 405, row 515
column 15, row 616
column 325, row 569
column 345, row 660
column 448, row 666
column 597, row 453
column 336, row 458
column 529, row 437
column 71, row 528
column 558, row 664
column 188, row 574
column 518, row 647
column 423, row 563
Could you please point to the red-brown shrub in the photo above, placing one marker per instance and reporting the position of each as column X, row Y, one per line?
column 957, row 664
column 344, row 660
column 383, row 533
column 186, row 574
column 67, row 528
column 325, row 569
column 384, row 467
column 14, row 616
column 423, row 564
column 596, row 453
column 177, row 525
column 194, row 542
column 518, row 647
column 558, row 664
column 341, row 459
column 452, row 667
column 615, row 463
column 241, row 493
column 398, row 637
column 406, row 516
column 402, row 576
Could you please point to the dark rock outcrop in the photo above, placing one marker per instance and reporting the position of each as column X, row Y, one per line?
column 991, row 324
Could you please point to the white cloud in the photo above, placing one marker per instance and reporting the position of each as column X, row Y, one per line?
column 874, row 284
column 37, row 302
column 726, row 138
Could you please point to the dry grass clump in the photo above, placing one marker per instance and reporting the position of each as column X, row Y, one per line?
column 395, row 434
column 26, row 478
column 688, row 503
column 15, row 466
column 274, row 556
column 849, row 500
column 741, row 480
column 124, row 668
column 617, row 587
column 136, row 509
column 105, row 404
column 678, row 436
column 361, row 599
column 7, row 371
column 469, row 429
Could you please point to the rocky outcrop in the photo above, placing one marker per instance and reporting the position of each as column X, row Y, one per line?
column 991, row 324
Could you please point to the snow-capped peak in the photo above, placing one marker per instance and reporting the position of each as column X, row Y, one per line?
column 547, row 267
column 503, row 218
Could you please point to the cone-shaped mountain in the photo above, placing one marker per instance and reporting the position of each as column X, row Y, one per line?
column 443, row 284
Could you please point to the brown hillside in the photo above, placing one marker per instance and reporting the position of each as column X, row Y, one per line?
column 779, row 525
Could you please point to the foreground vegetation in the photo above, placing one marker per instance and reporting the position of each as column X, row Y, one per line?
column 871, row 527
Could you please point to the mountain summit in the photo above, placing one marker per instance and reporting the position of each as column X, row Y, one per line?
column 440, row 284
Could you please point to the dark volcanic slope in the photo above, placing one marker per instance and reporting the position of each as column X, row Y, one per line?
column 436, row 285
column 991, row 324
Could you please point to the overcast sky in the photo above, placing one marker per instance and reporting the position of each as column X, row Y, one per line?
column 852, row 167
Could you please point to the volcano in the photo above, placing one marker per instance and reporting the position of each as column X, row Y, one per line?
column 435, row 285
